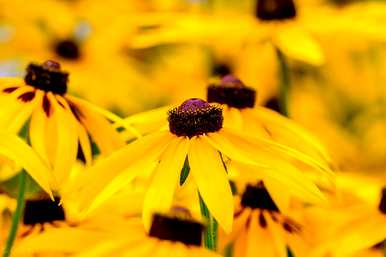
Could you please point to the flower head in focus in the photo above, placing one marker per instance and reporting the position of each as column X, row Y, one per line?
column 196, row 138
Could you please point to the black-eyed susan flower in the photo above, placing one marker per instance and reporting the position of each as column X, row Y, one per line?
column 59, row 124
column 195, row 136
column 260, row 228
column 57, row 228
column 176, row 234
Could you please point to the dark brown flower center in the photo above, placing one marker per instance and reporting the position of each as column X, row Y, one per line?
column 268, row 10
column 232, row 92
column 67, row 49
column 195, row 117
column 47, row 77
column 382, row 204
column 257, row 197
column 175, row 229
column 42, row 210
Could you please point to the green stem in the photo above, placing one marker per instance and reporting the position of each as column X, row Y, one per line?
column 210, row 235
column 16, row 215
column 284, row 82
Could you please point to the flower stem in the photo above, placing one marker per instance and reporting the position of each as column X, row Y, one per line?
column 210, row 236
column 284, row 82
column 16, row 215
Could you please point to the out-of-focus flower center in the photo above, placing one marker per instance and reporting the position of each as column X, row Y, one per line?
column 195, row 117
column 268, row 10
column 67, row 49
column 221, row 69
column 42, row 210
column 47, row 77
column 382, row 204
column 232, row 92
column 175, row 229
column 257, row 197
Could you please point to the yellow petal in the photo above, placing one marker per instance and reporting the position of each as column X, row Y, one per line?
column 149, row 121
column 223, row 145
column 285, row 129
column 16, row 149
column 67, row 141
column 104, row 113
column 260, row 146
column 277, row 235
column 159, row 196
column 37, row 133
column 100, row 129
column 85, row 143
column 212, row 182
column 233, row 118
column 99, row 181
column 297, row 44
column 51, row 240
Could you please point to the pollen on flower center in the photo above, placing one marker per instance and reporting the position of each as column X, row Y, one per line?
column 382, row 204
column 175, row 229
column 257, row 197
column 67, row 49
column 42, row 210
column 232, row 92
column 47, row 77
column 268, row 10
column 195, row 117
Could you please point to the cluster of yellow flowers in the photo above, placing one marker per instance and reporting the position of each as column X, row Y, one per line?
column 192, row 128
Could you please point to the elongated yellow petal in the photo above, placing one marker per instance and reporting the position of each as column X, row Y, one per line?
column 233, row 118
column 285, row 129
column 149, row 121
column 159, row 196
column 212, row 182
column 260, row 146
column 277, row 235
column 67, row 142
column 37, row 133
column 297, row 44
column 99, row 181
column 16, row 149
column 223, row 145
column 76, row 240
column 85, row 143
column 290, row 179
column 104, row 113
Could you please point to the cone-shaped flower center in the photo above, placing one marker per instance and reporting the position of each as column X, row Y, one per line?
column 382, row 204
column 232, row 92
column 47, row 77
column 257, row 197
column 195, row 117
column 268, row 10
column 67, row 49
column 175, row 229
column 42, row 210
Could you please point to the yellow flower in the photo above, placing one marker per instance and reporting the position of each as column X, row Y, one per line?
column 195, row 136
column 260, row 228
column 176, row 235
column 58, row 228
column 278, row 22
column 60, row 124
